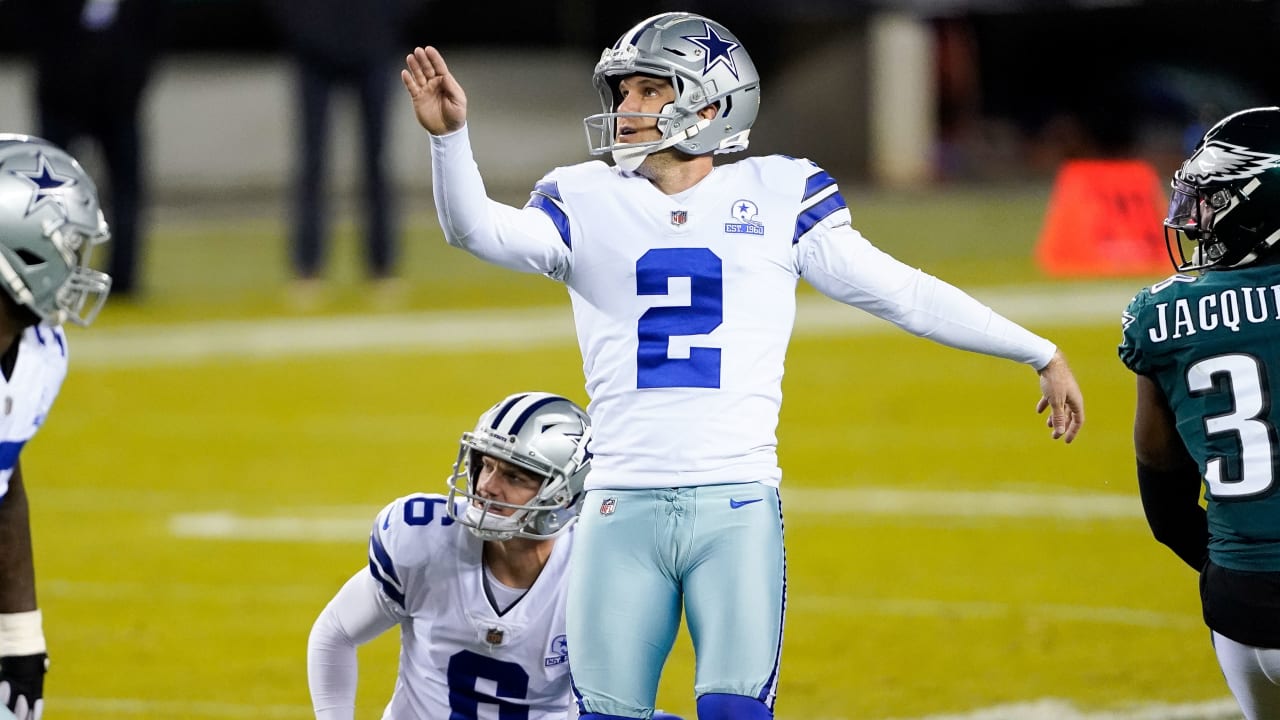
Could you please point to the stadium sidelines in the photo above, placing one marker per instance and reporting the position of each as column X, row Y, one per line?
column 459, row 331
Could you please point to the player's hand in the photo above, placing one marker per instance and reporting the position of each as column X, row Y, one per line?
column 438, row 99
column 22, row 684
column 1061, row 395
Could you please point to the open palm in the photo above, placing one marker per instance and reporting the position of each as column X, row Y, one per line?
column 438, row 99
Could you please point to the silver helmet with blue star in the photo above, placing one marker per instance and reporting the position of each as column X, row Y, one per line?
column 545, row 437
column 50, row 221
column 705, row 64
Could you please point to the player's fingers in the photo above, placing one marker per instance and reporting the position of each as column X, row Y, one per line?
column 413, row 65
column 1073, row 429
column 433, row 56
column 426, row 72
column 38, row 711
column 5, row 691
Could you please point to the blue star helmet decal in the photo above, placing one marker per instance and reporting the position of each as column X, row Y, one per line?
column 49, row 186
column 719, row 50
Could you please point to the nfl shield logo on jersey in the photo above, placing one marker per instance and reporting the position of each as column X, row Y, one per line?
column 607, row 507
column 679, row 217
column 494, row 636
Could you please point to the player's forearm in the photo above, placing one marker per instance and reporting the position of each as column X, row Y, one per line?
column 844, row 266
column 17, row 567
column 521, row 240
column 462, row 202
column 332, row 669
column 1171, row 502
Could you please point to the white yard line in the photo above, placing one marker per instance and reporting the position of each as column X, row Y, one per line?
column 459, row 331
column 348, row 523
column 1054, row 709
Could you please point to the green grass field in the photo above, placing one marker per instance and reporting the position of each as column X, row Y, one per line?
column 192, row 516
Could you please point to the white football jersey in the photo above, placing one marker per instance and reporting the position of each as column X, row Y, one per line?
column 684, row 307
column 28, row 394
column 459, row 657
column 684, row 304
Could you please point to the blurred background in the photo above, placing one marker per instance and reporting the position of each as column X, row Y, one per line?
column 906, row 92
column 291, row 354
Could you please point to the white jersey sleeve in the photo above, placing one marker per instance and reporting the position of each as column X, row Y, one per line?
column 28, row 393
column 356, row 615
column 407, row 536
column 841, row 264
column 533, row 239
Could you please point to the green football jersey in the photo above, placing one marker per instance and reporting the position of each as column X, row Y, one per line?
column 1212, row 343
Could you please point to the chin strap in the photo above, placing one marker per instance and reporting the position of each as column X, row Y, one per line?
column 629, row 159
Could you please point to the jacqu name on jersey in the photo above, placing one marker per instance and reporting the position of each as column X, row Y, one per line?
column 1229, row 309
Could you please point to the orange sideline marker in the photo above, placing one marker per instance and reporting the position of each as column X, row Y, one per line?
column 1104, row 219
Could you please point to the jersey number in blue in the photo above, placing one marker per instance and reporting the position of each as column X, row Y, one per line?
column 421, row 511
column 655, row 368
column 510, row 682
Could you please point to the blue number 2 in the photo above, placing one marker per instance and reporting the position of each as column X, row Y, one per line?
column 704, row 313
column 511, row 681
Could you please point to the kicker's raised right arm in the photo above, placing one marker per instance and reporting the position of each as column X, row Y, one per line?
column 526, row 240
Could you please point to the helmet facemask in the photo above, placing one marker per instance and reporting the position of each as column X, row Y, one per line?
column 1223, row 198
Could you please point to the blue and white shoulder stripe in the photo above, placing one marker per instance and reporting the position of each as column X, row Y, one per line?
column 820, row 203
column 406, row 535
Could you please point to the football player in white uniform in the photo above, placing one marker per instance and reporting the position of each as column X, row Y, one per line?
column 682, row 277
column 475, row 580
column 49, row 224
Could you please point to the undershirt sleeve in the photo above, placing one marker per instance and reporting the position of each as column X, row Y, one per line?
column 841, row 264
column 521, row 239
column 356, row 615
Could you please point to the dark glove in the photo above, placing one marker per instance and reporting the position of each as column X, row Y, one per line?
column 22, row 684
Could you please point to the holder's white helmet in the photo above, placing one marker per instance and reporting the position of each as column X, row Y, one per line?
column 50, row 222
column 705, row 64
column 543, row 434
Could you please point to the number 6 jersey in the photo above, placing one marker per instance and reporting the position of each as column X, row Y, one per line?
column 461, row 658
column 684, row 304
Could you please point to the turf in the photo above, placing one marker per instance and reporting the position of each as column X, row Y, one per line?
column 892, row 613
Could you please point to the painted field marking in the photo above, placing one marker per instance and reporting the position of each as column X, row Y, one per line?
column 460, row 331
column 339, row 525
column 1055, row 709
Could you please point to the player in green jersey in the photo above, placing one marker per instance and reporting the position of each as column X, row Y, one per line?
column 1205, row 345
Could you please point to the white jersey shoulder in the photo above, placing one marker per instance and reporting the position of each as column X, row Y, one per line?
column 461, row 657
column 684, row 306
column 29, row 391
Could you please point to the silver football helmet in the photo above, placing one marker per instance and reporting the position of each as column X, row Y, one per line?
column 705, row 64
column 543, row 434
column 50, row 222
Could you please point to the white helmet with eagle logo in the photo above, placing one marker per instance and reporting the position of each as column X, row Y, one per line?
column 1225, row 205
column 705, row 64
column 544, row 435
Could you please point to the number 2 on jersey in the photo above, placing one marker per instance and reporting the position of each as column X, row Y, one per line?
column 655, row 368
